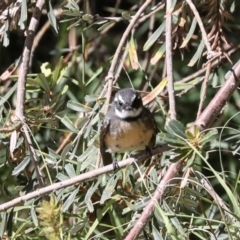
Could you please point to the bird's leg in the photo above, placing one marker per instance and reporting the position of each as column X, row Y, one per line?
column 148, row 150
column 115, row 163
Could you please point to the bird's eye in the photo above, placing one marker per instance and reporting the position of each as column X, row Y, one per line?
column 120, row 103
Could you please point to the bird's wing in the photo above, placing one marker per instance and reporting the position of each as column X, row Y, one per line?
column 106, row 156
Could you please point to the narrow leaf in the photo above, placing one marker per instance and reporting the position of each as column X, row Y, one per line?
column 175, row 127
column 154, row 37
column 133, row 54
column 70, row 170
column 197, row 55
column 158, row 55
column 51, row 17
column 155, row 92
column 22, row 166
column 68, row 123
column 24, row 14
column 76, row 106
column 190, row 33
column 70, row 199
column 88, row 196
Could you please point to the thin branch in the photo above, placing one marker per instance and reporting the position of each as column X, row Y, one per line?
column 170, row 86
column 81, row 178
column 220, row 99
column 19, row 113
column 26, row 58
column 158, row 195
column 208, row 187
column 110, row 76
column 204, row 34
column 204, row 89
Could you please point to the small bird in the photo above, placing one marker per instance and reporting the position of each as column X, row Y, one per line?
column 127, row 126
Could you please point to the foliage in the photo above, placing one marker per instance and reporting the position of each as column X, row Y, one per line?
column 65, row 104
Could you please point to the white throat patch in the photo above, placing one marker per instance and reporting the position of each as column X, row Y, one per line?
column 128, row 114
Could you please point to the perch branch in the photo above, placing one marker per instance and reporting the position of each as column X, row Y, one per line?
column 83, row 177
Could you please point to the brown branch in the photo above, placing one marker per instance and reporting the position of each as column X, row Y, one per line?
column 204, row 34
column 19, row 113
column 208, row 187
column 110, row 76
column 204, row 89
column 80, row 178
column 220, row 99
column 148, row 211
column 170, row 86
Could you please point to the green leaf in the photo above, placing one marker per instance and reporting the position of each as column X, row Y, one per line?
column 59, row 71
column 91, row 98
column 95, row 75
column 158, row 55
column 109, row 188
column 197, row 55
column 34, row 215
column 209, row 136
column 132, row 52
column 98, row 219
column 65, row 151
column 156, row 233
column 105, row 25
column 175, row 127
column 51, row 17
column 169, row 138
column 89, row 194
column 43, row 82
column 126, row 16
column 8, row 94
column 68, row 123
column 76, row 106
column 61, row 177
column 70, row 170
column 3, row 223
column 70, row 199
column 6, row 34
column 182, row 86
column 24, row 14
column 153, row 38
column 22, row 166
column 190, row 33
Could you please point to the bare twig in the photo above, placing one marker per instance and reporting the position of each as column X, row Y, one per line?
column 110, row 76
column 219, row 201
column 204, row 89
column 147, row 212
column 80, row 178
column 204, row 34
column 218, row 102
column 19, row 113
column 172, row 110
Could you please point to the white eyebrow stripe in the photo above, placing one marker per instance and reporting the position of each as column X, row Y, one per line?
column 121, row 99
column 133, row 97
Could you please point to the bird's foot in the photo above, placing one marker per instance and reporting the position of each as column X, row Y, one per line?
column 148, row 150
column 115, row 165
